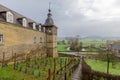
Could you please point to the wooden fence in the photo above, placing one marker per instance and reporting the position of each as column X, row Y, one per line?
column 64, row 72
column 65, row 75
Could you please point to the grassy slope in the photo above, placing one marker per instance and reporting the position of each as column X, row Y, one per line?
column 8, row 73
column 101, row 66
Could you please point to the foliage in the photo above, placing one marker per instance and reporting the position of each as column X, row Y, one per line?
column 75, row 44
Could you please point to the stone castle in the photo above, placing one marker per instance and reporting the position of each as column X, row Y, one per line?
column 25, row 37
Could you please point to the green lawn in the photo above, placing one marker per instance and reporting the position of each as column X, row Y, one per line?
column 8, row 73
column 95, row 42
column 62, row 47
column 101, row 66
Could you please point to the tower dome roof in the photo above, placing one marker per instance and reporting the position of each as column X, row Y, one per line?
column 49, row 21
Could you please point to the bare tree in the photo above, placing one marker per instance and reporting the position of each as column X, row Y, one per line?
column 75, row 44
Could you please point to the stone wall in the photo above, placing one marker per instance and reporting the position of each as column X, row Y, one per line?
column 15, row 35
column 22, row 51
column 22, row 41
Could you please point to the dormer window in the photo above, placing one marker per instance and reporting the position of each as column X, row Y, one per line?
column 34, row 26
column 24, row 22
column 43, row 29
column 39, row 26
column 9, row 17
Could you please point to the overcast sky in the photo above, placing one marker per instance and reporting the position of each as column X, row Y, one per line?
column 73, row 17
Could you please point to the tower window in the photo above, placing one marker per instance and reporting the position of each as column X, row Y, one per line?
column 1, row 39
column 49, row 31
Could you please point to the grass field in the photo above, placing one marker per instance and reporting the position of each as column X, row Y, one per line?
column 97, row 43
column 8, row 73
column 62, row 47
column 101, row 66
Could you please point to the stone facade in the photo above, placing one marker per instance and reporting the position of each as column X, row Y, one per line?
column 20, row 40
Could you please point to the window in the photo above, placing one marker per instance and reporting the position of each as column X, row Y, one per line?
column 35, row 40
column 9, row 17
column 34, row 26
column 43, row 29
column 49, row 30
column 1, row 39
column 39, row 27
column 24, row 22
column 40, row 40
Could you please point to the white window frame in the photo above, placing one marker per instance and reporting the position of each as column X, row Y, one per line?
column 24, row 22
column 39, row 26
column 9, row 17
column 34, row 26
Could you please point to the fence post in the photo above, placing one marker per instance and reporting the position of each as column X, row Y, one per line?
column 14, row 61
column 3, row 59
column 65, row 71
column 65, row 76
column 49, row 74
column 54, row 74
column 12, row 54
column 60, row 67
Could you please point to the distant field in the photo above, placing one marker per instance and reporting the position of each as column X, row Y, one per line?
column 101, row 66
column 62, row 47
column 89, row 42
column 85, row 43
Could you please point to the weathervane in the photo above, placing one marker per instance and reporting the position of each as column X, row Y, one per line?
column 49, row 6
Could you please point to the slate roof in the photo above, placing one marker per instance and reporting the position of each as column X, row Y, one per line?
column 16, row 15
column 116, row 46
column 49, row 21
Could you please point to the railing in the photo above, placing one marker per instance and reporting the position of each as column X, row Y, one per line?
column 68, row 71
column 64, row 72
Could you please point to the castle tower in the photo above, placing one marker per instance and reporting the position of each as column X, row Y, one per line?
column 51, row 36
